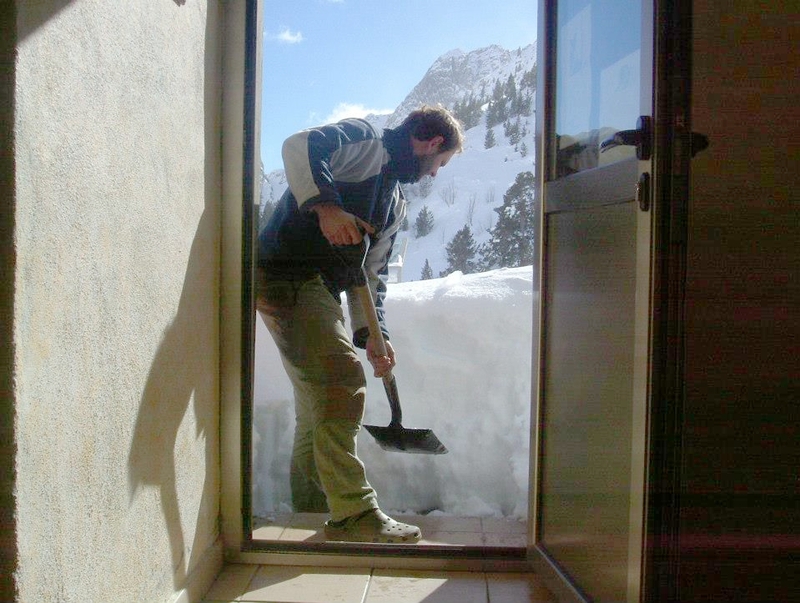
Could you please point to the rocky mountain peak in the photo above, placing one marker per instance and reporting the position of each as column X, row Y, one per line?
column 456, row 74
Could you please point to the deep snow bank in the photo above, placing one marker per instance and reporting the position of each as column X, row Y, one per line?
column 463, row 347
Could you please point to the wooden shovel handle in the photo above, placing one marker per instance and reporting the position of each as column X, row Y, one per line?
column 368, row 304
column 389, row 384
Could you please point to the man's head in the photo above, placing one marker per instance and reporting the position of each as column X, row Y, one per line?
column 427, row 123
column 435, row 137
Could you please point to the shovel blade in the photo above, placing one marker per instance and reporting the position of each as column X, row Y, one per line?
column 400, row 439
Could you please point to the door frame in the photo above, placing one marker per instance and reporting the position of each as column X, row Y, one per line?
column 671, row 31
column 672, row 153
column 241, row 149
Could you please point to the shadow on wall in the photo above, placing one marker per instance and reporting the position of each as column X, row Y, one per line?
column 182, row 379
column 184, row 372
column 37, row 14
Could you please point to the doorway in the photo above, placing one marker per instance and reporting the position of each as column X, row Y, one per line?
column 474, row 390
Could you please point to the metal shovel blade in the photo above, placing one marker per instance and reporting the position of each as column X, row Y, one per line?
column 393, row 437
column 399, row 439
column 396, row 438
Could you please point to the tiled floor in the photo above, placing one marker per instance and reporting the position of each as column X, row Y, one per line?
column 279, row 584
column 436, row 530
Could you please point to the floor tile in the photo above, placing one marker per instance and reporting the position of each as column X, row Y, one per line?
column 281, row 519
column 268, row 532
column 309, row 520
column 231, row 583
column 506, row 540
column 303, row 535
column 437, row 538
column 501, row 525
column 446, row 523
column 307, row 585
column 270, row 527
column 517, row 588
column 426, row 587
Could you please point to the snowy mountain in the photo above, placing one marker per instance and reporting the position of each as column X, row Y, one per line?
column 488, row 89
column 456, row 74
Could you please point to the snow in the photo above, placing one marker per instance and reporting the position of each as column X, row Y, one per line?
column 463, row 347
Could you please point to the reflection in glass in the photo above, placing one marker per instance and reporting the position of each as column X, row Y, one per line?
column 597, row 80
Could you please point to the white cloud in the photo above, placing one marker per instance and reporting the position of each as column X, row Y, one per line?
column 343, row 110
column 286, row 36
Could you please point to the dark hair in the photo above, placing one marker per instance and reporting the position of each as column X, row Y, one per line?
column 428, row 122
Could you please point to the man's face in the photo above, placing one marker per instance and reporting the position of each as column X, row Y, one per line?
column 428, row 165
column 427, row 158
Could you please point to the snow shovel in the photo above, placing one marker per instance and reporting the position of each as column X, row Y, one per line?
column 394, row 437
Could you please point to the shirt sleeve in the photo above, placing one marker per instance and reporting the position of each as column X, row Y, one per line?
column 316, row 159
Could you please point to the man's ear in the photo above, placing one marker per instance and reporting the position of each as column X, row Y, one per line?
column 435, row 142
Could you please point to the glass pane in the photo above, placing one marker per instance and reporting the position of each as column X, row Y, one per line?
column 598, row 48
column 588, row 405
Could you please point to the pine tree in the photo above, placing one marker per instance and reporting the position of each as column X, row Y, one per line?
column 468, row 111
column 424, row 222
column 425, row 186
column 461, row 252
column 510, row 91
column 512, row 130
column 511, row 242
column 529, row 79
column 427, row 271
column 497, row 111
column 489, row 141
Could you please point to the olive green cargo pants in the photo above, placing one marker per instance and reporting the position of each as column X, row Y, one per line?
column 307, row 324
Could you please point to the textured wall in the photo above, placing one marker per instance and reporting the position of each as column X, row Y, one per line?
column 116, row 297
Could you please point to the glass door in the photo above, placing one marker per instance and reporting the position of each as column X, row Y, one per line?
column 595, row 267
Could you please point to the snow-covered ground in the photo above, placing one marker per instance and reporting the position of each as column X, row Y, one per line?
column 463, row 347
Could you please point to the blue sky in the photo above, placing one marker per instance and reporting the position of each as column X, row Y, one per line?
column 326, row 59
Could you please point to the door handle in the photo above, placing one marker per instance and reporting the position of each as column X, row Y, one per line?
column 641, row 138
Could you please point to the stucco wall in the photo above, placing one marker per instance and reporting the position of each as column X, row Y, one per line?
column 116, row 290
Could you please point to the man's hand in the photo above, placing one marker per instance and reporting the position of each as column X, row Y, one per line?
column 340, row 227
column 381, row 364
